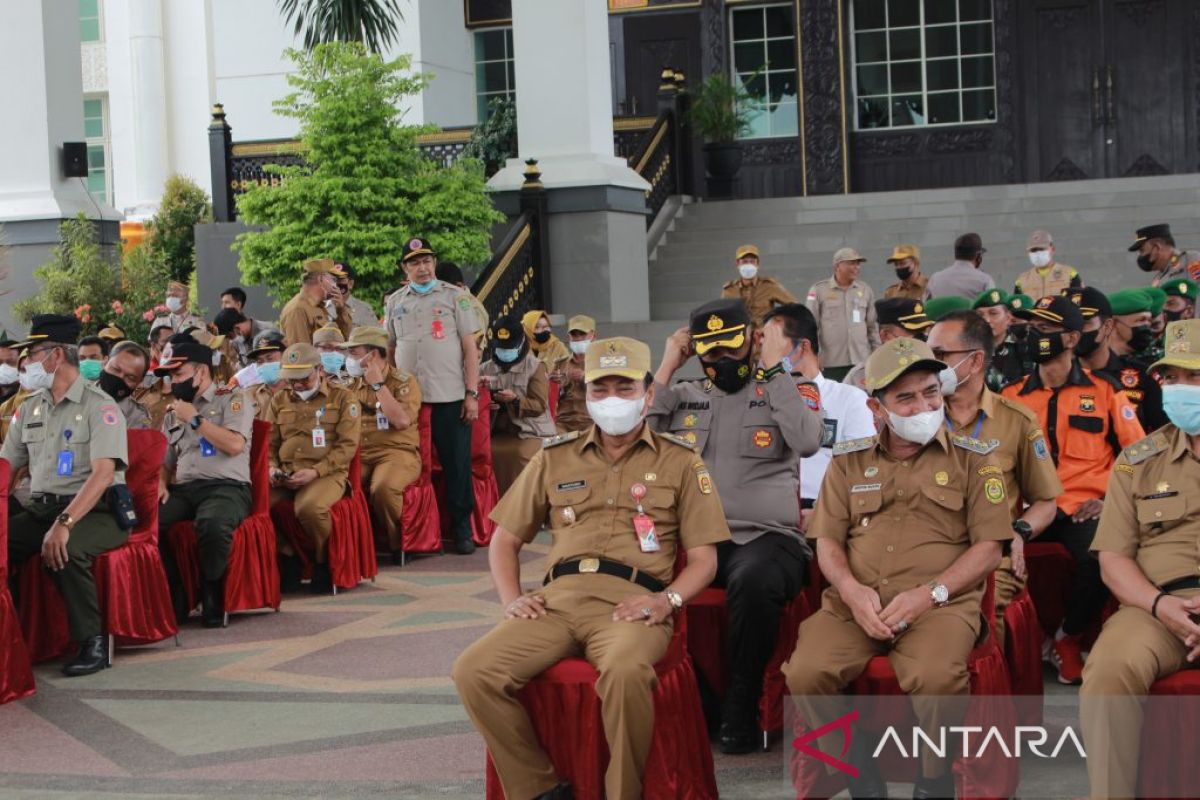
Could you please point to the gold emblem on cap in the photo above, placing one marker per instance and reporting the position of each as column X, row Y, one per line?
column 1180, row 331
column 293, row 357
column 903, row 345
column 503, row 334
column 995, row 297
column 941, row 478
column 715, row 323
column 870, row 472
column 917, row 309
column 903, row 361
column 1016, row 303
column 1162, row 486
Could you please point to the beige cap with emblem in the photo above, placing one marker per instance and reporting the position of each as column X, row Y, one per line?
column 1182, row 345
column 299, row 361
column 847, row 254
column 581, row 323
column 367, row 336
column 620, row 356
column 324, row 265
column 897, row 357
column 329, row 334
column 903, row 251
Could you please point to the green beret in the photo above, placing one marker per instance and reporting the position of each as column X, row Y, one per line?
column 939, row 307
column 1019, row 302
column 1158, row 299
column 992, row 297
column 1181, row 287
column 1129, row 301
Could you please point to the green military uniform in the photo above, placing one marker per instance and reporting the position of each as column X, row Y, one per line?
column 87, row 425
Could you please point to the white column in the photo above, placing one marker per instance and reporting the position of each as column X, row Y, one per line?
column 564, row 96
column 187, row 32
column 148, row 96
column 43, row 93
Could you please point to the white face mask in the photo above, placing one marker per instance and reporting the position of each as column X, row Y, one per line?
column 580, row 348
column 23, row 379
column 36, row 377
column 949, row 378
column 174, row 304
column 8, row 374
column 354, row 367
column 307, row 394
column 248, row 376
column 748, row 271
column 1040, row 258
column 331, row 308
column 616, row 416
column 919, row 428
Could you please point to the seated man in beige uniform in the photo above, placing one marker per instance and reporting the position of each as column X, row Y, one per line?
column 314, row 435
column 267, row 357
column 619, row 500
column 908, row 525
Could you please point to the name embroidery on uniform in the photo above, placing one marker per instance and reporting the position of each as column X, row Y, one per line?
column 693, row 406
column 866, row 487
column 571, row 486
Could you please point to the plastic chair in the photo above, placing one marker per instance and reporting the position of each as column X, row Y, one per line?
column 252, row 575
column 16, row 671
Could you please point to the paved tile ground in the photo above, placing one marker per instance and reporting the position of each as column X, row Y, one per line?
column 334, row 697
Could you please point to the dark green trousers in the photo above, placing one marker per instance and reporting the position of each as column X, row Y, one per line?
column 216, row 508
column 452, row 438
column 96, row 533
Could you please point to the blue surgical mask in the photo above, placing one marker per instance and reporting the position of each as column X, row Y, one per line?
column 332, row 362
column 269, row 372
column 1181, row 402
column 423, row 288
column 507, row 355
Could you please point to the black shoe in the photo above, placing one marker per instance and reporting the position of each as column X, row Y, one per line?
column 212, row 605
column 739, row 719
column 93, row 657
column 290, row 570
column 561, row 792
column 322, row 580
column 941, row 787
column 464, row 547
column 870, row 782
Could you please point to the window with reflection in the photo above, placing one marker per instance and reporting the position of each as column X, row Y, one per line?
column 764, row 61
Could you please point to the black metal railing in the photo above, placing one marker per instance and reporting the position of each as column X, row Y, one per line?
column 655, row 161
column 629, row 133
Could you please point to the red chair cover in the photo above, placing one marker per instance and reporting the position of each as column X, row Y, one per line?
column 989, row 776
column 351, row 547
column 770, row 703
column 16, row 673
column 1168, row 755
column 1050, row 572
column 483, row 479
column 420, row 522
column 565, row 710
column 552, row 392
column 1023, row 656
column 131, row 584
column 252, row 576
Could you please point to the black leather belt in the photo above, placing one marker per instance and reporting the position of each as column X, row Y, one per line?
column 52, row 499
column 1192, row 582
column 585, row 566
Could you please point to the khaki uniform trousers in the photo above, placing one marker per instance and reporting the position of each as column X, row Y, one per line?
column 579, row 621
column 1008, row 586
column 387, row 473
column 510, row 454
column 1133, row 651
column 930, row 661
column 314, row 504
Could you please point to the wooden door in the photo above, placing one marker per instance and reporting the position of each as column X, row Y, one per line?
column 654, row 41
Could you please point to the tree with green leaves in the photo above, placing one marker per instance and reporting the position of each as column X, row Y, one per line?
column 172, row 232
column 79, row 277
column 369, row 22
column 364, row 188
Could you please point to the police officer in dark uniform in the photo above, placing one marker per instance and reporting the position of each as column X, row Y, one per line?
column 750, row 425
column 902, row 316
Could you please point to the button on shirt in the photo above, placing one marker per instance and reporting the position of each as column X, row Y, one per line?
column 195, row 458
column 587, row 502
column 846, row 417
column 961, row 278
column 39, row 436
column 427, row 331
column 846, row 321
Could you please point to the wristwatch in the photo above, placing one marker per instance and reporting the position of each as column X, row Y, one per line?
column 66, row 520
column 674, row 598
column 939, row 594
column 1023, row 529
column 195, row 422
column 473, row 393
column 375, row 387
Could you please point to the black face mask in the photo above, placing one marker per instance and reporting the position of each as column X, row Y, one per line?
column 113, row 386
column 542, row 338
column 1087, row 343
column 1141, row 339
column 904, row 273
column 728, row 374
column 1044, row 347
column 184, row 390
column 1173, row 316
column 1145, row 263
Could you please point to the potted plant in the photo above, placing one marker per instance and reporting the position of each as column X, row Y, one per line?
column 721, row 111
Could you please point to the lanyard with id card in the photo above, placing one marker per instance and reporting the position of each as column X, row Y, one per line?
column 318, row 433
column 66, row 458
column 381, row 421
column 643, row 524
column 206, row 448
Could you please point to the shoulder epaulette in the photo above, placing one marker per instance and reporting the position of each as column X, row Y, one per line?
column 562, row 438
column 679, row 440
column 1020, row 408
column 973, row 444
column 1139, row 451
column 853, row 445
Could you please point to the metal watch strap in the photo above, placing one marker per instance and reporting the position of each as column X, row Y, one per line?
column 674, row 598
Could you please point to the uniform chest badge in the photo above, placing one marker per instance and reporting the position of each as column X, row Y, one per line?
column 690, row 421
column 1162, row 486
column 870, row 472
column 762, row 439
column 1087, row 402
column 941, row 478
column 651, row 477
column 1130, row 378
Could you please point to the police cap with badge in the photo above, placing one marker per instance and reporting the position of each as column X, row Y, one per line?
column 904, row 312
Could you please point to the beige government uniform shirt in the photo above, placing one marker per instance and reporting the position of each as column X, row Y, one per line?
column 332, row 409
column 846, row 321
column 427, row 332
column 379, row 437
column 195, row 458
column 136, row 416
column 86, row 423
column 760, row 296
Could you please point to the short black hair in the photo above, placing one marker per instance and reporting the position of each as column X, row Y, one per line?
column 449, row 272
column 976, row 333
column 237, row 293
column 1166, row 239
column 103, row 344
column 346, row 268
column 798, row 323
column 128, row 346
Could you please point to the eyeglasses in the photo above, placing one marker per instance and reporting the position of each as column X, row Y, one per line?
column 940, row 354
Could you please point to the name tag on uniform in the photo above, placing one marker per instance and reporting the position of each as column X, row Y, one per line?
column 856, row 316
column 318, row 437
column 866, row 487
column 66, row 464
column 381, row 421
column 206, row 448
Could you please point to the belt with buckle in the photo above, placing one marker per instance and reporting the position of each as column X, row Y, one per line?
column 1192, row 582
column 52, row 499
column 603, row 566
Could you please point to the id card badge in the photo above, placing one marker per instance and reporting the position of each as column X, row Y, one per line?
column 381, row 421
column 829, row 435
column 206, row 448
column 66, row 464
column 856, row 317
column 643, row 525
column 318, row 437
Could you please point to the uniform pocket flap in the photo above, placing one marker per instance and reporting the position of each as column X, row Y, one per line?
column 865, row 499
column 1089, row 424
column 945, row 497
column 1160, row 509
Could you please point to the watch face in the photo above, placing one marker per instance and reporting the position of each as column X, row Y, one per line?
column 941, row 594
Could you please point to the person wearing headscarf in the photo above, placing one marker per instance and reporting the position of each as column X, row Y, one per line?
column 546, row 347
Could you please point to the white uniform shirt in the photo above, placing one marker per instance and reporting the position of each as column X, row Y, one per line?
column 847, row 415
